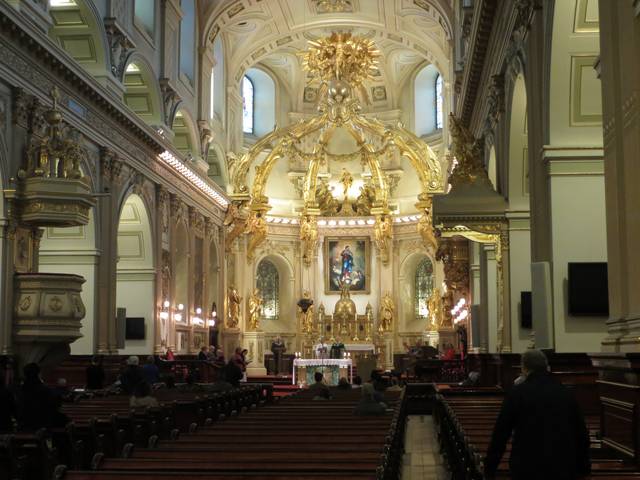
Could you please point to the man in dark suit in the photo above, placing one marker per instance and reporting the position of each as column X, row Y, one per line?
column 550, row 439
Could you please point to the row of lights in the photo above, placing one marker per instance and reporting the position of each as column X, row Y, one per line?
column 178, row 314
column 460, row 311
column 194, row 178
column 332, row 223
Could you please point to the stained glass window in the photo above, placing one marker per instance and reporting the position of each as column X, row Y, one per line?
column 438, row 101
column 268, row 282
column 247, row 105
column 423, row 287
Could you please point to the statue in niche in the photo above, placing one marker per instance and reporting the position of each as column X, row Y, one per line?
column 305, row 312
column 387, row 309
column 233, row 307
column 434, row 306
column 254, row 306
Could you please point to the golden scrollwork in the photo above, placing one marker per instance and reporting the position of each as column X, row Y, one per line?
column 309, row 238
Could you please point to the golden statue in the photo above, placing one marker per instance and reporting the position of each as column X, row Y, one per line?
column 383, row 237
column 305, row 312
column 469, row 153
column 235, row 224
column 387, row 309
column 254, row 307
column 346, row 179
column 366, row 199
column 434, row 305
column 425, row 228
column 309, row 238
column 257, row 230
column 233, row 307
column 328, row 205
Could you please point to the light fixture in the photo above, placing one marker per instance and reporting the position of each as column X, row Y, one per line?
column 180, row 307
column 166, row 304
column 198, row 311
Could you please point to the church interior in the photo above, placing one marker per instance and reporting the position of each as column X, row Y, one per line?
column 407, row 192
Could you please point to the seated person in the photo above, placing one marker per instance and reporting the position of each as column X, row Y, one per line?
column 319, row 389
column 7, row 407
column 232, row 373
column 62, row 390
column 368, row 405
column 204, row 353
column 131, row 376
column 379, row 385
column 95, row 374
column 39, row 406
column 150, row 371
column 142, row 396
column 343, row 384
column 357, row 381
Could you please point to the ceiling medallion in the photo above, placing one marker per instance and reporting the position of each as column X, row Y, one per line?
column 341, row 63
column 334, row 6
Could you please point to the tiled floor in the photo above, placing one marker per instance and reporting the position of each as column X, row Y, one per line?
column 422, row 460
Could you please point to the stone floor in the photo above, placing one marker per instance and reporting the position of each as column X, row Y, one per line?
column 422, row 460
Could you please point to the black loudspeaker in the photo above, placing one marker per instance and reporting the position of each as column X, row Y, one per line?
column 525, row 310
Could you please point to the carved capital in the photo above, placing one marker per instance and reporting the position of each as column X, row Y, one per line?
column 170, row 99
column 110, row 166
column 120, row 47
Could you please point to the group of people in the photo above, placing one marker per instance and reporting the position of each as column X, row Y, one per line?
column 372, row 392
column 31, row 405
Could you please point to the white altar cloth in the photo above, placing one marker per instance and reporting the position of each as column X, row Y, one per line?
column 323, row 362
column 359, row 347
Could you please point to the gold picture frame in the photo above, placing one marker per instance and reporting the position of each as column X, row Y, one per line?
column 360, row 249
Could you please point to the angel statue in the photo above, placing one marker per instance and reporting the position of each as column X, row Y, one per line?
column 425, row 228
column 233, row 307
column 383, row 237
column 346, row 180
column 254, row 305
column 387, row 309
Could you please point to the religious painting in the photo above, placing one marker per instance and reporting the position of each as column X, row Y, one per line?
column 347, row 260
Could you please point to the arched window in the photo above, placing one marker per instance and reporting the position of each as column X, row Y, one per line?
column 188, row 39
column 145, row 15
column 247, row 105
column 423, row 287
column 268, row 282
column 438, row 101
column 428, row 105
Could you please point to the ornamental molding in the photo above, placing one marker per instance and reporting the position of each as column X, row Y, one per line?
column 120, row 47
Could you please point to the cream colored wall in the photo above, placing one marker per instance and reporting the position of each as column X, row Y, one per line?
column 575, row 97
column 135, row 289
column 520, row 278
column 72, row 250
column 579, row 235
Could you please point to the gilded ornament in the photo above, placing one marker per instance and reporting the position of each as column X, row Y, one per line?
column 254, row 310
column 233, row 307
column 468, row 153
column 434, row 306
column 387, row 313
column 383, row 236
column 309, row 238
column 257, row 231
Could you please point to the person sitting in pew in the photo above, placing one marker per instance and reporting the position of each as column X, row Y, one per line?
column 550, row 438
column 319, row 390
column 131, row 376
column 150, row 371
column 95, row 374
column 7, row 407
column 343, row 384
column 142, row 396
column 368, row 405
column 203, row 355
column 232, row 373
column 39, row 407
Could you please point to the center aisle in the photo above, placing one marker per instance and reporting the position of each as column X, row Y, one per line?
column 422, row 460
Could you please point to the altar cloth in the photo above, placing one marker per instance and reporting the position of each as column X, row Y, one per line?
column 322, row 362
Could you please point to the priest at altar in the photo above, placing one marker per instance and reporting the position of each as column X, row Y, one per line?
column 321, row 349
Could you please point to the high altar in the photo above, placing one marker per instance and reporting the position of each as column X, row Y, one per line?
column 317, row 221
